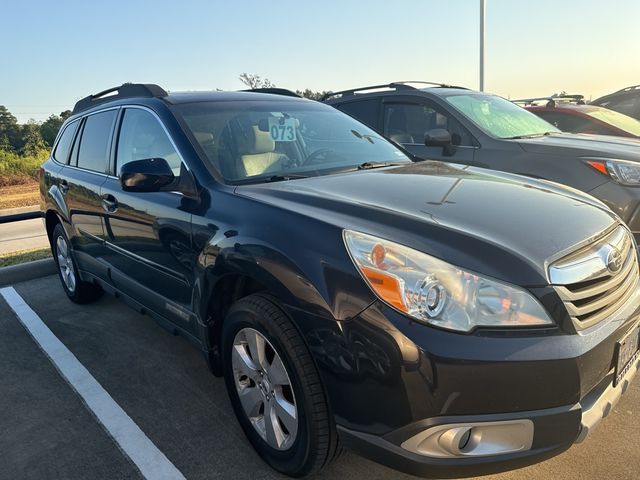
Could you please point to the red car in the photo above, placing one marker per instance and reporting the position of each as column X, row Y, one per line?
column 571, row 114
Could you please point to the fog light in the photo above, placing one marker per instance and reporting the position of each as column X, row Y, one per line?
column 464, row 439
column 472, row 439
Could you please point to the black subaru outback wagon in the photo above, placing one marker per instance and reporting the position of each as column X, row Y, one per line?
column 446, row 321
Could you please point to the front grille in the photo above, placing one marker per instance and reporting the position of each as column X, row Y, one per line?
column 595, row 281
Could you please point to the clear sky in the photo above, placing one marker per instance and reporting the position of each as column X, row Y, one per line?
column 57, row 51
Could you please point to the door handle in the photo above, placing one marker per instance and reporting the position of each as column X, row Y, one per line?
column 64, row 187
column 109, row 203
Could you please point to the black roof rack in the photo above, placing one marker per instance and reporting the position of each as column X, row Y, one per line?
column 552, row 100
column 274, row 91
column 125, row 90
column 396, row 85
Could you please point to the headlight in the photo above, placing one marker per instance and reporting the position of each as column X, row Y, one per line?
column 436, row 292
column 624, row 172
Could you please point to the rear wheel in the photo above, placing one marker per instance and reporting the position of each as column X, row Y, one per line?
column 275, row 388
column 77, row 290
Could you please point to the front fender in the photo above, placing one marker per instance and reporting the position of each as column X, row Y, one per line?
column 302, row 282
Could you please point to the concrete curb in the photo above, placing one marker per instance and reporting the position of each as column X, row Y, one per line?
column 27, row 271
column 17, row 210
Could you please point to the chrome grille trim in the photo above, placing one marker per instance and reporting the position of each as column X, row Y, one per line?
column 588, row 288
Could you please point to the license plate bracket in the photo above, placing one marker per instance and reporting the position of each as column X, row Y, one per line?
column 627, row 351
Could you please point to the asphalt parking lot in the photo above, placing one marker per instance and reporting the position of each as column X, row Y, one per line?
column 164, row 386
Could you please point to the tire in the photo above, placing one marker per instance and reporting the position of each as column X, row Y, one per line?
column 77, row 290
column 295, row 448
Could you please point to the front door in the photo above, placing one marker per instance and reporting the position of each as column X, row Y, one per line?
column 407, row 121
column 148, row 234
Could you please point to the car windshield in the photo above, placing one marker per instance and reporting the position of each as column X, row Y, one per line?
column 258, row 141
column 619, row 120
column 499, row 117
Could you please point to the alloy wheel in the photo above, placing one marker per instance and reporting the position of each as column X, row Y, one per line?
column 65, row 263
column 264, row 388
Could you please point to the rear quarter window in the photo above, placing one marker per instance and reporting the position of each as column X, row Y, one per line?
column 63, row 147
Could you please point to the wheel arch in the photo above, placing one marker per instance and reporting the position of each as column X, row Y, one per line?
column 51, row 219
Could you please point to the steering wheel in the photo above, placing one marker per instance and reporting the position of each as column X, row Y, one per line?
column 314, row 156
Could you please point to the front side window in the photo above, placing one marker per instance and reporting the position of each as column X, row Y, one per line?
column 408, row 123
column 63, row 148
column 94, row 144
column 256, row 141
column 142, row 137
column 499, row 117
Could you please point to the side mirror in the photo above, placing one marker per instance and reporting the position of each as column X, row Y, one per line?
column 437, row 137
column 148, row 175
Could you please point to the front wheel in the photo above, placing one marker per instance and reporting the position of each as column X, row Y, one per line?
column 275, row 388
column 77, row 290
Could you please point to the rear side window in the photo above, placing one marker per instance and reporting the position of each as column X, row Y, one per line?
column 61, row 153
column 364, row 110
column 94, row 145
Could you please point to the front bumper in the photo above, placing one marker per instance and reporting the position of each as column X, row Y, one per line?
column 556, row 429
column 390, row 378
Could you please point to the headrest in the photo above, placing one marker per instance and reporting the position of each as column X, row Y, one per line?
column 262, row 141
column 203, row 137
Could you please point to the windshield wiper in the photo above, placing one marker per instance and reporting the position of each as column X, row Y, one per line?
column 282, row 178
column 370, row 165
column 531, row 135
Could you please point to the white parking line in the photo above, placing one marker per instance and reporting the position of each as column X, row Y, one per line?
column 151, row 462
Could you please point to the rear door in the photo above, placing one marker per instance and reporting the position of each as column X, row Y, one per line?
column 80, row 182
column 148, row 234
column 407, row 119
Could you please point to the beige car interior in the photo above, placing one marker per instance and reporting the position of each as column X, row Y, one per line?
column 259, row 155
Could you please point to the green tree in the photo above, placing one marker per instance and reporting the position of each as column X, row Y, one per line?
column 252, row 81
column 49, row 129
column 32, row 141
column 306, row 93
column 10, row 131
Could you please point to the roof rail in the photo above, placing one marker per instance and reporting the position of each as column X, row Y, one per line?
column 552, row 100
column 274, row 91
column 628, row 89
column 125, row 90
column 396, row 85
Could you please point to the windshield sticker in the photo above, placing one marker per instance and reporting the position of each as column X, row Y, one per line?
column 282, row 129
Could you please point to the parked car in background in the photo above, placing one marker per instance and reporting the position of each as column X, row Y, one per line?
column 625, row 101
column 570, row 114
column 432, row 317
column 454, row 124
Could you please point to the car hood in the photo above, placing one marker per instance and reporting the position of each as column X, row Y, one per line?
column 584, row 144
column 471, row 217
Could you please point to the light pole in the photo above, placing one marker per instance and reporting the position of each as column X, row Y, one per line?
column 482, row 12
